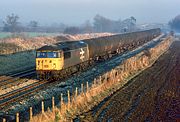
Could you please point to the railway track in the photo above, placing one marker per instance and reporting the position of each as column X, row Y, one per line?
column 18, row 74
column 18, row 94
column 12, row 79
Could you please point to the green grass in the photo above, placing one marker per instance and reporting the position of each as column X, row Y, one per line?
column 4, row 34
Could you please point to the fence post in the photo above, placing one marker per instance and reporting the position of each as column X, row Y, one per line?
column 100, row 80
column 30, row 113
column 53, row 104
column 87, row 86
column 106, row 76
column 69, row 100
column 17, row 117
column 112, row 75
column 76, row 93
column 82, row 89
column 94, row 81
column 61, row 99
column 4, row 120
column 42, row 106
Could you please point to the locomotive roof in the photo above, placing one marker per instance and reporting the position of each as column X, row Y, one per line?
column 68, row 45
column 48, row 47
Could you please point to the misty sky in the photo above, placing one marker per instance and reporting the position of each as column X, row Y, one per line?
column 77, row 11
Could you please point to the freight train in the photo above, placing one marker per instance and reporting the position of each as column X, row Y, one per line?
column 64, row 58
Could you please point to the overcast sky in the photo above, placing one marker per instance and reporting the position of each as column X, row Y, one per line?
column 77, row 11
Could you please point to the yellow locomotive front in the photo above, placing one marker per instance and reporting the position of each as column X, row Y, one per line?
column 48, row 61
column 60, row 60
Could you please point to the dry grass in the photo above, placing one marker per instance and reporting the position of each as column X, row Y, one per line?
column 16, row 44
column 110, row 83
column 8, row 48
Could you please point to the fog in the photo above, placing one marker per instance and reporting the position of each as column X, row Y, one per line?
column 77, row 11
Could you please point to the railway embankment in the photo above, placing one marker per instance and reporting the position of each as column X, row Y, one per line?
column 106, row 85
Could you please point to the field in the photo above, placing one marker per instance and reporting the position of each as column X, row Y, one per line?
column 151, row 96
column 27, row 34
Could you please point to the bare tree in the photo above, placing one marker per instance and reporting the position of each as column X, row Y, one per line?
column 87, row 27
column 72, row 30
column 175, row 23
column 33, row 25
column 102, row 24
column 11, row 23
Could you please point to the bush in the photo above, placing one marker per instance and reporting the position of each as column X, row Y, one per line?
column 72, row 30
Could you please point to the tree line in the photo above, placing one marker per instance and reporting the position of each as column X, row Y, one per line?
column 99, row 24
column 175, row 23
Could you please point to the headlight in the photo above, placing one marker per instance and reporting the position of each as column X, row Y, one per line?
column 54, row 66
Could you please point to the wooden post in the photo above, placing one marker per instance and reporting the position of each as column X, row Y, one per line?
column 82, row 89
column 30, row 113
column 87, row 86
column 42, row 106
column 100, row 80
column 76, row 93
column 61, row 98
column 61, row 102
column 69, row 100
column 53, row 104
column 4, row 120
column 106, row 76
column 112, row 75
column 94, row 81
column 17, row 117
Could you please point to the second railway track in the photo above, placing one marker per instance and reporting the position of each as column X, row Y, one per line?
column 19, row 93
column 7, row 80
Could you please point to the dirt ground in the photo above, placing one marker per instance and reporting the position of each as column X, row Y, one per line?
column 151, row 96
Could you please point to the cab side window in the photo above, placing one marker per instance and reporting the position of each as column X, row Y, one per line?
column 59, row 54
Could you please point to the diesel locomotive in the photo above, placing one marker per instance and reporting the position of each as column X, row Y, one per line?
column 64, row 58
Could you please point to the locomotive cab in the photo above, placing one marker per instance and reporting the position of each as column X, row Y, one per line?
column 60, row 59
column 48, row 59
